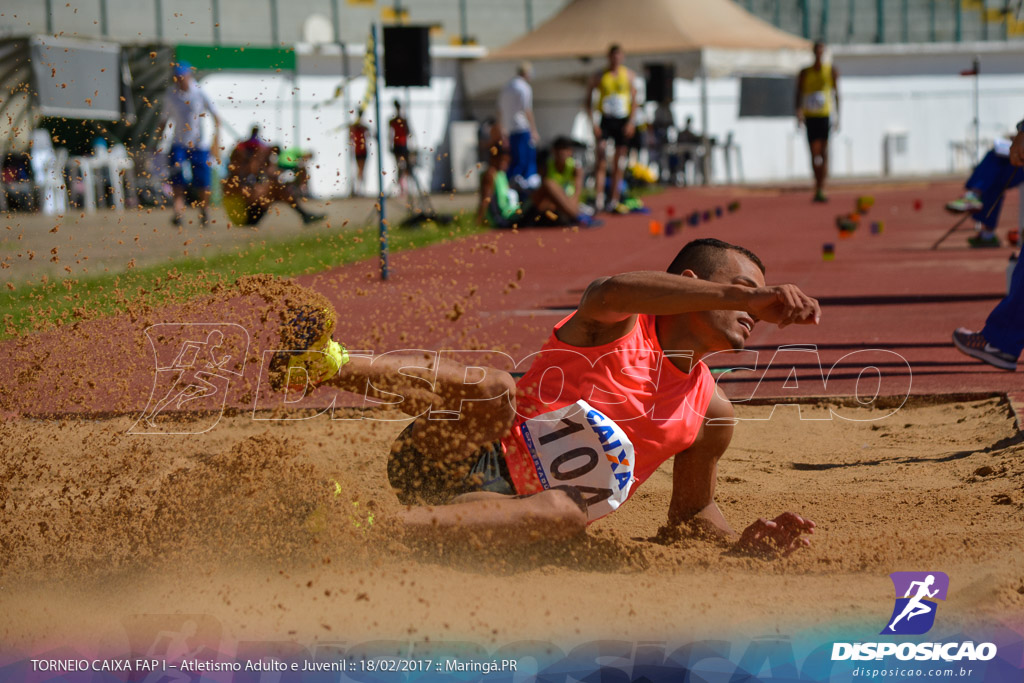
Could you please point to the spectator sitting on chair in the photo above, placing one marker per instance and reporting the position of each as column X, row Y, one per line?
column 254, row 183
column 499, row 206
column 992, row 177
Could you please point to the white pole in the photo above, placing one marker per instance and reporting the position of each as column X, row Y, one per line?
column 378, row 39
column 704, row 121
column 977, row 111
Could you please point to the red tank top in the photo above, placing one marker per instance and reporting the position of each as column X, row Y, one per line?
column 631, row 381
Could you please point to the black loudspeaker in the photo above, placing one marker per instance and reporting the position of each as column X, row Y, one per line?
column 660, row 79
column 407, row 56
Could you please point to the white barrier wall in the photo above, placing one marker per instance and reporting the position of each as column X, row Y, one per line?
column 318, row 121
column 933, row 112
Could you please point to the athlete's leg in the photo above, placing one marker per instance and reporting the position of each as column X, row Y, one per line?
column 695, row 470
column 482, row 411
column 493, row 518
column 276, row 191
column 551, row 196
column 471, row 411
column 823, row 170
column 175, row 158
column 819, row 161
column 620, row 155
column 600, row 171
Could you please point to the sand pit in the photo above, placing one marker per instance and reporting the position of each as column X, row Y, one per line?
column 241, row 528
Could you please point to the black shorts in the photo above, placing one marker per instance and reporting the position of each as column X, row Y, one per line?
column 614, row 129
column 818, row 127
column 421, row 479
column 401, row 153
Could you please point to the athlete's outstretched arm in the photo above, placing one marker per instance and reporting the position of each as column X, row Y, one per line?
column 694, row 475
column 611, row 300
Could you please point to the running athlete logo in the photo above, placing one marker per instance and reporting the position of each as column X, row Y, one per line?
column 914, row 612
column 195, row 363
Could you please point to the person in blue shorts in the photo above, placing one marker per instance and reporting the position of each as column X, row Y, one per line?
column 185, row 105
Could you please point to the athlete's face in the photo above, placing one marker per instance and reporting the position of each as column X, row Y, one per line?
column 731, row 329
column 615, row 59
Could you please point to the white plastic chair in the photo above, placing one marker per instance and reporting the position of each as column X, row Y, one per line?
column 83, row 165
column 121, row 170
column 48, row 173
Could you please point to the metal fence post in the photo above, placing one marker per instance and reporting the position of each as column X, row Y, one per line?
column 215, row 13
column 880, row 21
column 274, row 31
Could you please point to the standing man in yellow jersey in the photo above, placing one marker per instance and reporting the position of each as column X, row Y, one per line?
column 616, row 101
column 816, row 87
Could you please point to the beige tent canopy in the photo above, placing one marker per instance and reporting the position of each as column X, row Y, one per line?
column 701, row 38
column 585, row 28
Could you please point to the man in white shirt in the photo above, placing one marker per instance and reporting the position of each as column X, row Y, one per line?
column 518, row 128
column 184, row 106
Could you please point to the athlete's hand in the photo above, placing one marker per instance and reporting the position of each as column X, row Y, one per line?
column 835, row 124
column 799, row 119
column 783, row 305
column 780, row 536
column 630, row 130
column 1017, row 150
column 597, row 133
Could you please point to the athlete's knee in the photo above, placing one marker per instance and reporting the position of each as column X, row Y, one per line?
column 489, row 403
column 556, row 515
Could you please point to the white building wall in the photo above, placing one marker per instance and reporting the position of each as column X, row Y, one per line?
column 323, row 119
column 933, row 111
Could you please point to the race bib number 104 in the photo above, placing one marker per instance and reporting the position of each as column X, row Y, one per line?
column 581, row 447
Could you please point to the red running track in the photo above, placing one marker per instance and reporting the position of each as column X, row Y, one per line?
column 889, row 302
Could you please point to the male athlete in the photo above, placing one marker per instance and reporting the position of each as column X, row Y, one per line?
column 816, row 87
column 616, row 101
column 618, row 389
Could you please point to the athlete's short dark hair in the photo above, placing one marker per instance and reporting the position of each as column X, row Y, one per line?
column 705, row 256
column 614, row 47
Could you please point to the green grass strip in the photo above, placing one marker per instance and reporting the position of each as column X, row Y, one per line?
column 51, row 302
